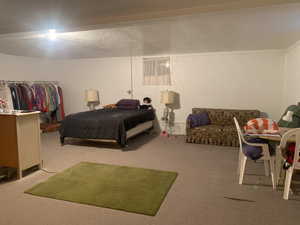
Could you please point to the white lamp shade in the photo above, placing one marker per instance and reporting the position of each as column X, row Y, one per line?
column 167, row 97
column 91, row 96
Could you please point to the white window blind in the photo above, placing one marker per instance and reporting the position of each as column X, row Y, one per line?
column 157, row 71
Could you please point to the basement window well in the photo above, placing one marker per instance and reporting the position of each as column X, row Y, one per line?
column 157, row 71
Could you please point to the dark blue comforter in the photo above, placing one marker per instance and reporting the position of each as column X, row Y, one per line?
column 104, row 123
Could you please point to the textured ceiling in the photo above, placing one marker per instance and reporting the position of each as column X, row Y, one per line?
column 32, row 15
column 274, row 27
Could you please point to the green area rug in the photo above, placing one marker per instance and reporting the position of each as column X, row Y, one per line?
column 117, row 187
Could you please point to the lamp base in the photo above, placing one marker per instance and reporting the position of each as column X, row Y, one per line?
column 164, row 134
column 91, row 106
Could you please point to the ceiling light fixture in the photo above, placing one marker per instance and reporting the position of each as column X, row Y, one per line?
column 51, row 35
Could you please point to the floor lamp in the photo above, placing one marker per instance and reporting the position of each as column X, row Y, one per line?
column 92, row 98
column 168, row 99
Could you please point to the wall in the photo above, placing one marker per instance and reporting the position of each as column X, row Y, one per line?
column 243, row 80
column 291, row 93
column 110, row 76
column 25, row 68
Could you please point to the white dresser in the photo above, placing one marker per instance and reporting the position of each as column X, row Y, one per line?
column 20, row 141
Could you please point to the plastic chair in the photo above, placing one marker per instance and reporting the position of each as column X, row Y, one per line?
column 268, row 159
column 293, row 133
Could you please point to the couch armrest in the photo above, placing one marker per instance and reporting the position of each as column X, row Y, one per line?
column 187, row 126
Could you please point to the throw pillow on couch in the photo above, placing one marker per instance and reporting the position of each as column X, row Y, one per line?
column 198, row 119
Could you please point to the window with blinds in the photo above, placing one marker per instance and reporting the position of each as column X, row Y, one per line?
column 157, row 71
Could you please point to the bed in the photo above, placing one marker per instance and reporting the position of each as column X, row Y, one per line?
column 107, row 125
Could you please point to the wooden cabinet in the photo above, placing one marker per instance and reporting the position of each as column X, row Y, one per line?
column 20, row 141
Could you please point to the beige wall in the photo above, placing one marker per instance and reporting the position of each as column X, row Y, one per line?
column 243, row 80
column 110, row 76
column 25, row 68
column 291, row 93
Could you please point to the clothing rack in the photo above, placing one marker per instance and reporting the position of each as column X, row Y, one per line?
column 27, row 81
column 41, row 95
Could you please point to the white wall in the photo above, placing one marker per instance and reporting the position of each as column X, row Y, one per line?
column 264, row 80
column 242, row 80
column 110, row 76
column 291, row 94
column 25, row 68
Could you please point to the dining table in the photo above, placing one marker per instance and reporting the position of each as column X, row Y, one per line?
column 275, row 139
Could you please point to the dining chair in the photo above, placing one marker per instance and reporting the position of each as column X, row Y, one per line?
column 268, row 159
column 289, row 135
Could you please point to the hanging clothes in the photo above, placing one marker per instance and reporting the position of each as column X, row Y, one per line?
column 27, row 97
column 15, row 97
column 46, row 97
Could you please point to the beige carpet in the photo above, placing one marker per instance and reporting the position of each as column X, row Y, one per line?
column 206, row 192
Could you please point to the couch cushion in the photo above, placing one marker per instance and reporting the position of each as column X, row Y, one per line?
column 225, row 116
column 210, row 134
column 215, row 130
column 216, row 116
column 242, row 116
column 229, row 129
column 211, row 127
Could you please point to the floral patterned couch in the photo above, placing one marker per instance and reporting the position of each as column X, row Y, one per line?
column 222, row 130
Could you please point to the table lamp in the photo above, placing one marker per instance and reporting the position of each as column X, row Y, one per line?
column 92, row 98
